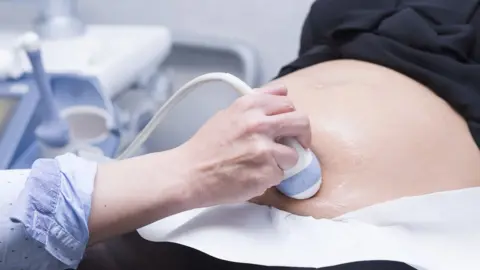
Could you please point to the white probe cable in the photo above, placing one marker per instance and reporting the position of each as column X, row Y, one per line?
column 300, row 182
column 240, row 86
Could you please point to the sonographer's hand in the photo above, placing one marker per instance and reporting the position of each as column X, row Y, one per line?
column 235, row 157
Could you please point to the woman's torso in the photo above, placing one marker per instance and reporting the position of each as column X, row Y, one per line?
column 380, row 136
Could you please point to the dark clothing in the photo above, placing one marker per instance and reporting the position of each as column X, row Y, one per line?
column 131, row 252
column 435, row 42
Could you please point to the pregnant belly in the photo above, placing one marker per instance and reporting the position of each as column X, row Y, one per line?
column 379, row 136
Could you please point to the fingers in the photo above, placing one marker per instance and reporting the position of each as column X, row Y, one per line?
column 273, row 105
column 286, row 157
column 267, row 102
column 278, row 90
column 292, row 124
column 282, row 120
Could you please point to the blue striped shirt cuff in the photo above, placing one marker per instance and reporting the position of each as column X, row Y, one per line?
column 55, row 206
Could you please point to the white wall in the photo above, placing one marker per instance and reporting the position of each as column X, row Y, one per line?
column 271, row 26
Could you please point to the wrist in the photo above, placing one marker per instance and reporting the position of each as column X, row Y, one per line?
column 196, row 178
column 171, row 179
column 135, row 192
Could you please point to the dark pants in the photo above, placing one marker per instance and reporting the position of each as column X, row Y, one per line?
column 131, row 252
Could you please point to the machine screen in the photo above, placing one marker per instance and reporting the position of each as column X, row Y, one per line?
column 6, row 108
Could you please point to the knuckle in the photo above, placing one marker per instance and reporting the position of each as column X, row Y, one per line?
column 245, row 103
column 262, row 150
column 256, row 124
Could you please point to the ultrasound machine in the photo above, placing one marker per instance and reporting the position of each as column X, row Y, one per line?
column 67, row 87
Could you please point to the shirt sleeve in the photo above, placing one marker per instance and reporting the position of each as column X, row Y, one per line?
column 52, row 211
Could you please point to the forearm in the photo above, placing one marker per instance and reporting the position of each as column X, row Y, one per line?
column 132, row 193
column 68, row 202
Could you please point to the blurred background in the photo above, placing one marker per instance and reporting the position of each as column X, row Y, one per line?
column 111, row 64
column 270, row 26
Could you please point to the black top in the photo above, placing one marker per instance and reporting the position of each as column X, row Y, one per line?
column 435, row 42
